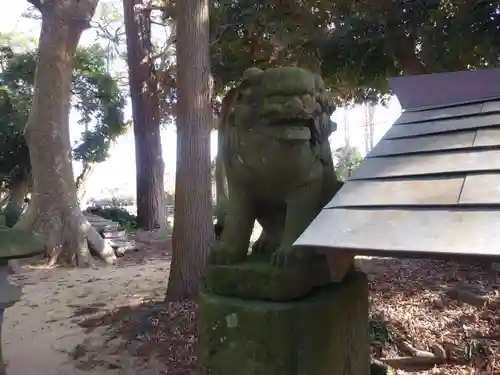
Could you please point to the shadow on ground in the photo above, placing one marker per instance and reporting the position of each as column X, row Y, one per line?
column 418, row 316
column 149, row 331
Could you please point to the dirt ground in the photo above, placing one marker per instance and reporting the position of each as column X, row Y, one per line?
column 42, row 334
column 110, row 320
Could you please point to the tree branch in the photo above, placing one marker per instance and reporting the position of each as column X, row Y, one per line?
column 223, row 28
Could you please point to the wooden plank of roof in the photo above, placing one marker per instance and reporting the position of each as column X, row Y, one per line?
column 398, row 232
column 426, row 143
column 446, row 89
column 441, row 126
column 427, row 164
column 481, row 189
column 493, row 106
column 440, row 191
column 408, row 117
column 487, row 137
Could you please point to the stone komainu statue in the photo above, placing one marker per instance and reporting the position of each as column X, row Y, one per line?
column 275, row 127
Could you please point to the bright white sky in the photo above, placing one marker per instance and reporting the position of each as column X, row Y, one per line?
column 118, row 172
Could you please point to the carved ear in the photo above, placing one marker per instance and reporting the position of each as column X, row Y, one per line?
column 325, row 127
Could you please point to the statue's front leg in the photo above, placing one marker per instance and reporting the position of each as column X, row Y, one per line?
column 303, row 205
column 272, row 220
column 238, row 226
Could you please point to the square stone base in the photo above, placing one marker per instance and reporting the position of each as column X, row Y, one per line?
column 325, row 333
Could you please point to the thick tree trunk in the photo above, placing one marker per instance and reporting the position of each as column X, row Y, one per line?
column 53, row 211
column 220, row 176
column 193, row 230
column 146, row 115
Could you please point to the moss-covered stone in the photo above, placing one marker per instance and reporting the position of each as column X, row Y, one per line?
column 256, row 278
column 325, row 333
column 16, row 243
column 274, row 131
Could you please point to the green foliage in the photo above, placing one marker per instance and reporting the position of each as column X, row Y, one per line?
column 347, row 159
column 376, row 40
column 264, row 34
column 117, row 214
column 15, row 102
column 261, row 34
column 354, row 45
column 96, row 97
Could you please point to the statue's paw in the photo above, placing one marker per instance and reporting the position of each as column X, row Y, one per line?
column 221, row 254
column 284, row 258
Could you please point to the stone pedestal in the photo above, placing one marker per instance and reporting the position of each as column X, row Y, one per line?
column 325, row 333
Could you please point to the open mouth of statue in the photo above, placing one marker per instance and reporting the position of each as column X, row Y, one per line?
column 291, row 129
column 293, row 122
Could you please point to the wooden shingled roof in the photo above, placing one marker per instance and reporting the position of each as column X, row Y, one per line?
column 431, row 186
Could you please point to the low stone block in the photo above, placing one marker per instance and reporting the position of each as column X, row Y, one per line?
column 17, row 243
column 325, row 333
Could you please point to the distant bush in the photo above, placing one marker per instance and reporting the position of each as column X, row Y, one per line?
column 117, row 214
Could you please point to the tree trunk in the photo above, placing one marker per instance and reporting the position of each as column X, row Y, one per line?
column 412, row 65
column 146, row 115
column 220, row 176
column 53, row 211
column 193, row 230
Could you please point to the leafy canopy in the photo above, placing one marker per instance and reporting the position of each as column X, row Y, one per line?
column 96, row 97
column 347, row 159
column 373, row 40
column 355, row 45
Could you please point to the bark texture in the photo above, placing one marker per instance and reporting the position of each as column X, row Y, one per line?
column 53, row 211
column 220, row 175
column 146, row 115
column 193, row 230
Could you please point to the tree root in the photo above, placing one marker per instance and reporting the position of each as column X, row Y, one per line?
column 412, row 363
column 377, row 367
column 416, row 359
column 74, row 239
column 470, row 297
